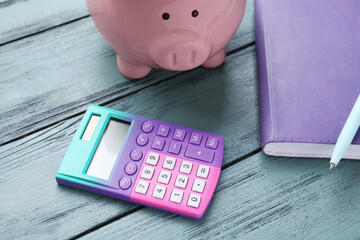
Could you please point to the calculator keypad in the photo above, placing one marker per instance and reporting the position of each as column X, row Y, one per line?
column 175, row 184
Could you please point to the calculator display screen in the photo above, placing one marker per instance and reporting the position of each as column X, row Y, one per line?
column 108, row 149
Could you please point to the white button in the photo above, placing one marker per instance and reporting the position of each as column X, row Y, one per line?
column 147, row 173
column 198, row 186
column 169, row 163
column 164, row 177
column 203, row 171
column 181, row 181
column 142, row 187
column 194, row 200
column 152, row 159
column 159, row 191
column 186, row 167
column 176, row 196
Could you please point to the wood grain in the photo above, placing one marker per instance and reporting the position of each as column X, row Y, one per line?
column 21, row 18
column 55, row 75
column 222, row 101
column 262, row 198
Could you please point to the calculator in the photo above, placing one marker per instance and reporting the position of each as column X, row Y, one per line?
column 145, row 161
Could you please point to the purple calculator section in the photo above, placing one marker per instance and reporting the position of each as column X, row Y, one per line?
column 169, row 148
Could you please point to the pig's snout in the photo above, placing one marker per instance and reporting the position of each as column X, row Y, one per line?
column 180, row 52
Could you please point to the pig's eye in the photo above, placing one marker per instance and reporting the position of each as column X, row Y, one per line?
column 166, row 16
column 195, row 13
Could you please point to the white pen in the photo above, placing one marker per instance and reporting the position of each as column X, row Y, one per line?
column 347, row 135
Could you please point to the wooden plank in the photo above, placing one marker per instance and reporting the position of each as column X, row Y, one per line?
column 262, row 198
column 56, row 74
column 20, row 18
column 222, row 101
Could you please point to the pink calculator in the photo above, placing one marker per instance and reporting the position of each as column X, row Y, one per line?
column 145, row 161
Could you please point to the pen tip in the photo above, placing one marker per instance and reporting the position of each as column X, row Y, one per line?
column 332, row 166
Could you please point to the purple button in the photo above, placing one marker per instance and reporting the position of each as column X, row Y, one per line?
column 147, row 126
column 199, row 153
column 158, row 144
column 195, row 138
column 179, row 134
column 125, row 183
column 163, row 131
column 142, row 140
column 136, row 154
column 212, row 142
column 174, row 148
column 130, row 168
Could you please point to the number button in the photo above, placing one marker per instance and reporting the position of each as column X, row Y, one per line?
column 147, row 173
column 147, row 127
column 203, row 171
column 142, row 140
column 136, row 154
column 186, row 167
column 194, row 200
column 176, row 196
column 181, row 181
column 159, row 191
column 142, row 187
column 169, row 163
column 198, row 186
column 152, row 159
column 125, row 183
column 164, row 177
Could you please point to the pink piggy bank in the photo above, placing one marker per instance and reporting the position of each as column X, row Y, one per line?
column 167, row 34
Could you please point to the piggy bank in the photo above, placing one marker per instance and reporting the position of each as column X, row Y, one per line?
column 176, row 35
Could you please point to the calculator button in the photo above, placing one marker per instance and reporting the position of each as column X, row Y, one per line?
column 164, row 177
column 203, row 171
column 179, row 134
column 152, row 158
column 198, row 186
column 186, row 167
column 174, row 148
column 125, row 183
column 199, row 153
column 136, row 154
column 181, row 181
column 176, row 196
column 163, row 131
column 142, row 140
column 212, row 142
column 169, row 163
column 159, row 191
column 194, row 200
column 158, row 144
column 130, row 168
column 195, row 138
column 147, row 173
column 142, row 187
column 147, row 127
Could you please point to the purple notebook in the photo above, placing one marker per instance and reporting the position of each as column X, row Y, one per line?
column 309, row 74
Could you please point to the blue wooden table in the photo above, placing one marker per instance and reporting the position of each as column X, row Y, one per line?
column 54, row 63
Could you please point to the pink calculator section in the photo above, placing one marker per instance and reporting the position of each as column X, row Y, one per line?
column 174, row 184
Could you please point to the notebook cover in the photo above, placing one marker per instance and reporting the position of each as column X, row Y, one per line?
column 309, row 73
